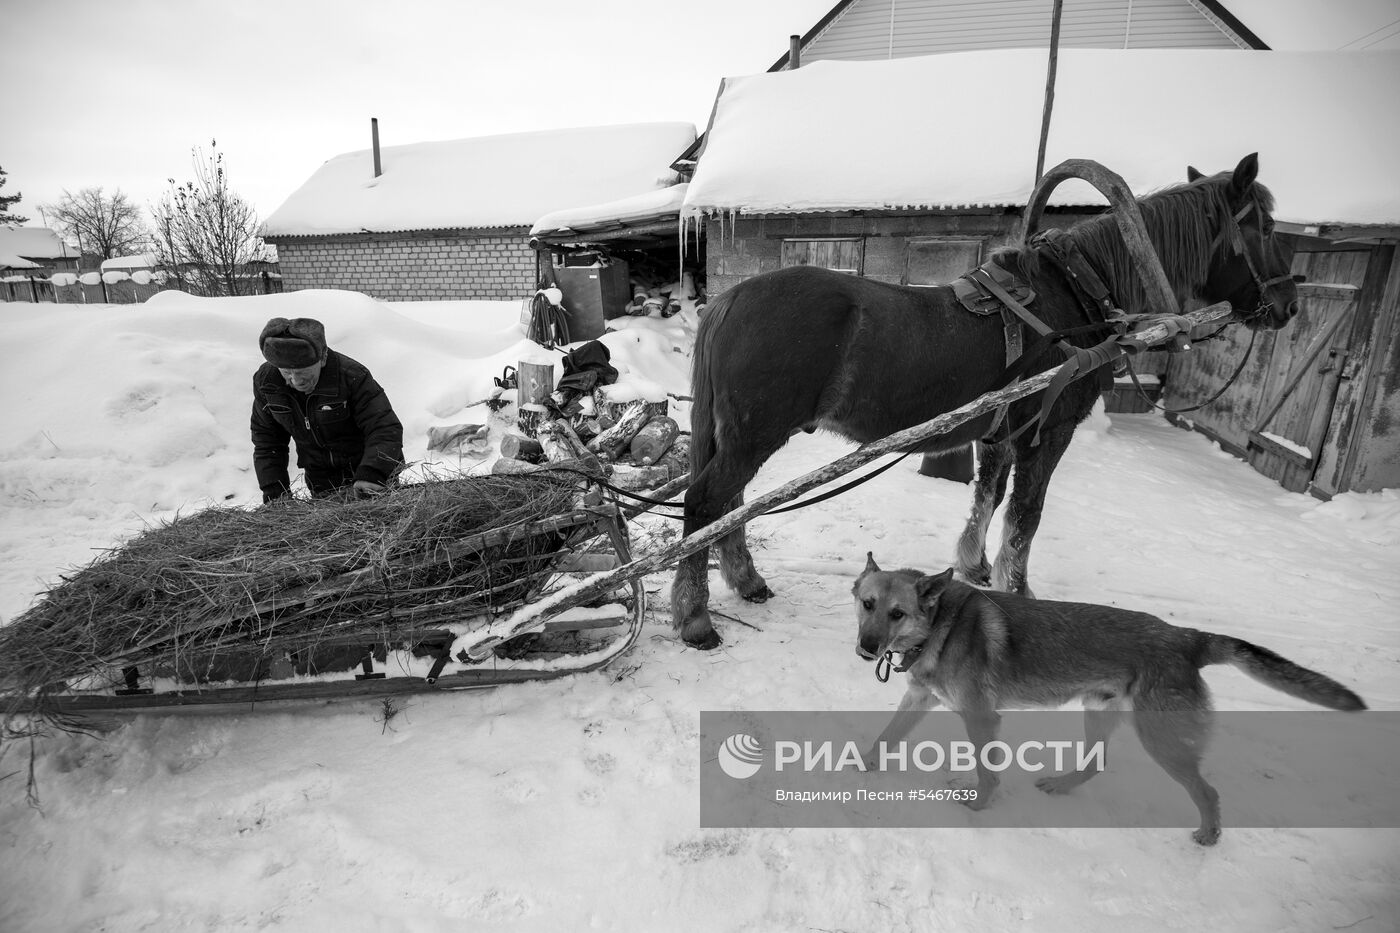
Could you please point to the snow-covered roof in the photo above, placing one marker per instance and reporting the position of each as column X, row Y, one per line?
column 139, row 261
column 962, row 129
column 488, row 181
column 33, row 243
column 653, row 204
column 11, row 261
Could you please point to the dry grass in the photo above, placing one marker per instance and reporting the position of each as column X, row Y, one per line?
column 286, row 575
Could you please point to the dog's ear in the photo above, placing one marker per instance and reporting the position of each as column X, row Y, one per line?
column 870, row 565
column 1193, row 174
column 930, row 587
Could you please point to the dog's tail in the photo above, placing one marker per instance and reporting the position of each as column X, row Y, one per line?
column 1280, row 673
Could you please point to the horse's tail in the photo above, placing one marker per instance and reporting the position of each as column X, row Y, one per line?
column 702, row 390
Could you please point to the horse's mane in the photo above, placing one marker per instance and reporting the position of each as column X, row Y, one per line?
column 1182, row 223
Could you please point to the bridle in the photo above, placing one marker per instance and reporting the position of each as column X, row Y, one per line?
column 1232, row 231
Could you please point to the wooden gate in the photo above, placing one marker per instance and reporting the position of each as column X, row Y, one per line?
column 1310, row 358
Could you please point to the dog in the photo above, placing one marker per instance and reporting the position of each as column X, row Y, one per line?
column 978, row 652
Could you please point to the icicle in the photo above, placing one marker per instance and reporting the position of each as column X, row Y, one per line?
column 680, row 232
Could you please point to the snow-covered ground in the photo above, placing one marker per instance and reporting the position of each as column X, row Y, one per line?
column 573, row 804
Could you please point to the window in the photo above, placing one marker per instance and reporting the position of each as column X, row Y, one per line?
column 938, row 260
column 843, row 254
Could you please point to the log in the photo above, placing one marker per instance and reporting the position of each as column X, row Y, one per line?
column 606, row 407
column 665, row 494
column 615, row 439
column 640, row 478
column 509, row 465
column 530, row 617
column 517, row 447
column 535, row 382
column 560, row 443
column 677, row 457
column 654, row 439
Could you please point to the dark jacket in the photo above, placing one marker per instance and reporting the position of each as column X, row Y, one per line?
column 345, row 429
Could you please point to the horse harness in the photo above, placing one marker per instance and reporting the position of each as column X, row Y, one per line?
column 992, row 289
column 1235, row 233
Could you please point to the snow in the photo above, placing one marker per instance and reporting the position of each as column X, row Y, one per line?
column 487, row 181
column 963, row 128
column 1287, row 444
column 573, row 804
column 625, row 210
column 138, row 261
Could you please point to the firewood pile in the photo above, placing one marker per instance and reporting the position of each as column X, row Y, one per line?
column 636, row 445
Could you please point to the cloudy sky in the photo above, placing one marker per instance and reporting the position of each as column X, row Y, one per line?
column 117, row 93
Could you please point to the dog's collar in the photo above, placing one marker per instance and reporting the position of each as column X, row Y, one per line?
column 885, row 664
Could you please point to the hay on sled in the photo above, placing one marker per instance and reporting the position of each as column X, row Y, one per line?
column 290, row 574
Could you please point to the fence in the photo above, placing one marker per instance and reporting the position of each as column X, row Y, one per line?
column 118, row 288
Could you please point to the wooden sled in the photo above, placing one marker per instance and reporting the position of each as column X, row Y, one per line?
column 397, row 656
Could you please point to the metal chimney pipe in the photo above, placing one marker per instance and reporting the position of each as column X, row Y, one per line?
column 374, row 134
column 794, row 52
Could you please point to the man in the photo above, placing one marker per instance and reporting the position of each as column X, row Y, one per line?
column 346, row 432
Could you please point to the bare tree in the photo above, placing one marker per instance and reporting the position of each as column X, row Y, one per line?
column 105, row 226
column 6, row 201
column 205, row 233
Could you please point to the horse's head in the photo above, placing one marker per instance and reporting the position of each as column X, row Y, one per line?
column 1249, row 265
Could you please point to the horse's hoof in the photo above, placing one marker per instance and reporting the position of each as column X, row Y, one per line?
column 699, row 633
column 706, row 642
column 760, row 595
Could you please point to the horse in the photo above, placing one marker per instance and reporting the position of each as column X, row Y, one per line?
column 803, row 348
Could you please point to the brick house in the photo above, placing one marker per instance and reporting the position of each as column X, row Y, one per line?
column 452, row 220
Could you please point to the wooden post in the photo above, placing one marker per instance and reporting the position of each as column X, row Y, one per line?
column 1049, row 88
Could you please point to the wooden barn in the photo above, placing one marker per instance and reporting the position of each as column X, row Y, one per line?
column 452, row 219
column 868, row 167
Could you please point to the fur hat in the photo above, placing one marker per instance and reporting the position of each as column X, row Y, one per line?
column 294, row 344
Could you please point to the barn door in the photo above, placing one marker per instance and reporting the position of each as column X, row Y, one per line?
column 1309, row 358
